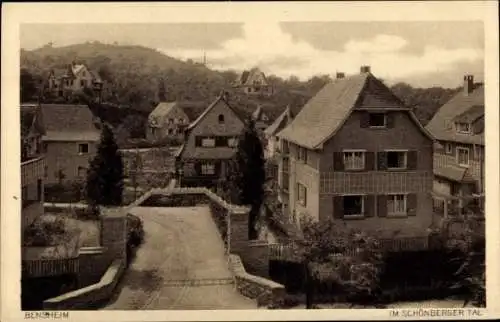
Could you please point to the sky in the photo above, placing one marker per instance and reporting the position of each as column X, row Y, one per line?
column 423, row 54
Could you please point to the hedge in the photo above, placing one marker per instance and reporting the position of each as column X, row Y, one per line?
column 64, row 193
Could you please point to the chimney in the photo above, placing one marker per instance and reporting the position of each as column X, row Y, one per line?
column 468, row 84
column 365, row 69
column 340, row 75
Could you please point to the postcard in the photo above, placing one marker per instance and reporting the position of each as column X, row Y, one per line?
column 250, row 161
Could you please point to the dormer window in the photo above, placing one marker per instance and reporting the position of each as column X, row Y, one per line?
column 463, row 127
column 377, row 119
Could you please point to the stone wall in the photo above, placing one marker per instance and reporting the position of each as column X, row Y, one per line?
column 86, row 297
column 264, row 291
column 93, row 262
column 256, row 258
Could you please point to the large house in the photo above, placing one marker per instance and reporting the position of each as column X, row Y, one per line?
column 73, row 78
column 211, row 140
column 32, row 164
column 458, row 127
column 167, row 120
column 253, row 82
column 359, row 156
column 70, row 141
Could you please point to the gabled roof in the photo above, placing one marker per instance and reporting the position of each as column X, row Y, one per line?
column 247, row 75
column 325, row 113
column 460, row 106
column 280, row 123
column 162, row 109
column 220, row 98
column 471, row 115
column 63, row 120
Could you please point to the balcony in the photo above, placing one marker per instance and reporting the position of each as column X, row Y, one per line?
column 32, row 170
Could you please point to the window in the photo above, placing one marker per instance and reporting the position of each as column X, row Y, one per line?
column 463, row 127
column 208, row 142
column 302, row 154
column 396, row 159
column 170, row 121
column 181, row 120
column 232, row 142
column 170, row 131
column 353, row 205
column 208, row 169
column 221, row 118
column 82, row 83
column 301, row 194
column 83, row 148
column 396, row 205
column 82, row 172
column 447, row 148
column 463, row 156
column 377, row 120
column 354, row 160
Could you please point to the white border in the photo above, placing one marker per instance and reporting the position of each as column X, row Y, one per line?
column 13, row 14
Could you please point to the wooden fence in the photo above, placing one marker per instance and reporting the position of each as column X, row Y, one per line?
column 287, row 251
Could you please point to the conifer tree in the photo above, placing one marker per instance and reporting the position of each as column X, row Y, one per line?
column 247, row 175
column 105, row 174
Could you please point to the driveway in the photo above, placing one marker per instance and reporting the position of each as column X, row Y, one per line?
column 180, row 266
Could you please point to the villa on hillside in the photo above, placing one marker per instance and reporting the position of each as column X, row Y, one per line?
column 32, row 164
column 70, row 141
column 75, row 77
column 356, row 154
column 254, row 82
column 458, row 127
column 167, row 120
column 210, row 142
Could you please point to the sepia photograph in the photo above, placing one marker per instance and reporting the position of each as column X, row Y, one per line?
column 268, row 164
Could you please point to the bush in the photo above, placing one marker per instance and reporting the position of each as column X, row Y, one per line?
column 71, row 192
column 44, row 233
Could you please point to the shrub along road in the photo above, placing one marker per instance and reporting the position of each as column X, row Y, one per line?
column 181, row 265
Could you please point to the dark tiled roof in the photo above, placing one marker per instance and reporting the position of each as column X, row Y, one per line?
column 471, row 115
column 451, row 173
column 325, row 113
column 70, row 120
column 71, row 136
column 214, row 103
column 163, row 108
column 441, row 125
column 280, row 123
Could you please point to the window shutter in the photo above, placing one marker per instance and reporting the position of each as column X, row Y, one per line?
column 390, row 120
column 369, row 205
column 217, row 167
column 197, row 168
column 382, row 205
column 364, row 120
column 198, row 140
column 369, row 160
column 338, row 161
column 411, row 204
column 338, row 207
column 382, row 160
column 412, row 159
column 220, row 141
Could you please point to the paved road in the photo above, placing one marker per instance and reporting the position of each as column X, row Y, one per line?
column 181, row 247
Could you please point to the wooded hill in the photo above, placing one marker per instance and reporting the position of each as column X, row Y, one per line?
column 132, row 74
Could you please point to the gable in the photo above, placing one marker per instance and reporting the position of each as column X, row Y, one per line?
column 376, row 95
column 257, row 77
column 209, row 124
